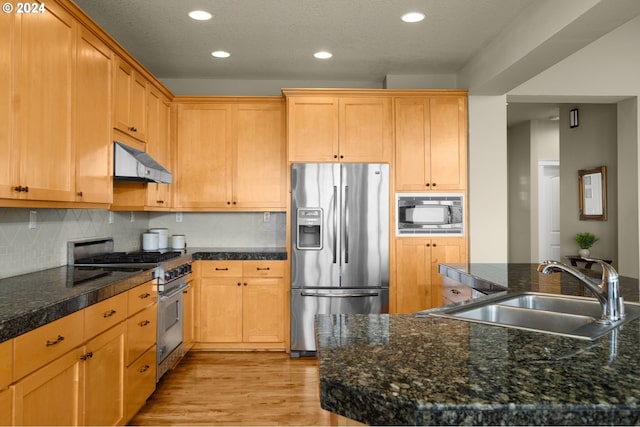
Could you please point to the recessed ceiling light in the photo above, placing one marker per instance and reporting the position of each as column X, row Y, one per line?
column 322, row 55
column 220, row 54
column 413, row 17
column 200, row 15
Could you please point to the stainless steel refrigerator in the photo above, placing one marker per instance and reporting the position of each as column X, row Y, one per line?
column 340, row 244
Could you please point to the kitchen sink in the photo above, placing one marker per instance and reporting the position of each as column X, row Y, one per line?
column 549, row 313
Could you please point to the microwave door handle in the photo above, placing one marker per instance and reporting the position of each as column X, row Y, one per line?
column 335, row 224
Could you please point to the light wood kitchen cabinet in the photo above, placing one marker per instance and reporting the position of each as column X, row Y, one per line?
column 431, row 143
column 141, row 357
column 41, row 141
column 418, row 283
column 241, row 304
column 335, row 128
column 6, row 407
column 130, row 103
column 7, row 50
column 104, row 378
column 230, row 155
column 150, row 196
column 93, row 144
column 52, row 395
column 188, row 331
column 6, row 394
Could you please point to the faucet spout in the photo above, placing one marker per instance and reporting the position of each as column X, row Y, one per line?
column 607, row 290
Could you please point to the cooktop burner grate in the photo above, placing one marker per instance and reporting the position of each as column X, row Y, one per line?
column 128, row 257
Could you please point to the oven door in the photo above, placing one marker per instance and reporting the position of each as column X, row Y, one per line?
column 170, row 320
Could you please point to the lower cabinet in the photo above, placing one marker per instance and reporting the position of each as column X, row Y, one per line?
column 96, row 366
column 241, row 304
column 418, row 283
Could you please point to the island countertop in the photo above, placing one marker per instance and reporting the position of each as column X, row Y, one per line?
column 405, row 370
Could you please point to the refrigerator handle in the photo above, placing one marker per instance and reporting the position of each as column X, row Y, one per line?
column 335, row 224
column 346, row 224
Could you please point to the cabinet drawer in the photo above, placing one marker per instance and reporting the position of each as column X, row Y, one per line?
column 46, row 343
column 141, row 382
column 103, row 315
column 142, row 296
column 6, row 361
column 141, row 332
column 220, row 268
column 263, row 268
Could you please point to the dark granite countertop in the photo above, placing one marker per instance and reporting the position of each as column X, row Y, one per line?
column 249, row 253
column 34, row 299
column 31, row 300
column 404, row 370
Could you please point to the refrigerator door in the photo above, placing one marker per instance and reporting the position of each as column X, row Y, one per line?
column 315, row 221
column 307, row 303
column 365, row 226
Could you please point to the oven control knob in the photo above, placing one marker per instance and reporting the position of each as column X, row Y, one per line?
column 167, row 275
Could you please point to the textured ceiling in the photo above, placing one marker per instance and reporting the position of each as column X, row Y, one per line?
column 275, row 39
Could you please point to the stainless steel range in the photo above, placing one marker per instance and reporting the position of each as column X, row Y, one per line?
column 91, row 258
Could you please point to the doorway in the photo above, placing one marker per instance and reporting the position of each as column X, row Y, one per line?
column 548, row 210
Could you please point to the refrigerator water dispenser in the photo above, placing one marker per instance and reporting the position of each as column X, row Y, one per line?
column 309, row 222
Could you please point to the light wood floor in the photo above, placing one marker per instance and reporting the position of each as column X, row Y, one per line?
column 237, row 388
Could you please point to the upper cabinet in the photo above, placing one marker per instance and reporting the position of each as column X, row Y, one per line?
column 130, row 106
column 339, row 127
column 38, row 93
column 230, row 154
column 93, row 120
column 431, row 142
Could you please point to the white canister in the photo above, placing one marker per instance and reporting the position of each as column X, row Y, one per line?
column 163, row 237
column 178, row 242
column 150, row 241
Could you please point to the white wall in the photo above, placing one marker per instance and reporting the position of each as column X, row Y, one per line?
column 488, row 189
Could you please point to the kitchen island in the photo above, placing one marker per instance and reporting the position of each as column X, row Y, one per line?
column 402, row 369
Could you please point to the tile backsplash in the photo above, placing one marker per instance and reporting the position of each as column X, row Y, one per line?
column 25, row 248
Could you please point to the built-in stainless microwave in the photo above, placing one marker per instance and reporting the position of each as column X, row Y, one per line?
column 429, row 214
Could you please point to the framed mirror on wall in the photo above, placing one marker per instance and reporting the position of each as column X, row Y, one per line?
column 592, row 192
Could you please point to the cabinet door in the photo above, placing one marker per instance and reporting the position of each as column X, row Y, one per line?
column 413, row 275
column 158, row 195
column 263, row 310
column 6, row 407
column 8, row 163
column 204, row 156
column 412, row 144
column 188, row 333
column 93, row 120
column 448, row 143
column 260, row 164
column 45, row 82
column 312, row 129
column 130, row 103
column 366, row 130
column 104, row 378
column 221, row 309
column 52, row 395
column 446, row 250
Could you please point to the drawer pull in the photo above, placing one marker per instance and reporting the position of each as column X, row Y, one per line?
column 144, row 296
column 143, row 323
column 86, row 356
column 222, row 269
column 109, row 313
column 57, row 341
column 263, row 268
column 144, row 369
column 455, row 291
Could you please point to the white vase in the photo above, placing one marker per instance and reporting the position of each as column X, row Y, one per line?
column 584, row 253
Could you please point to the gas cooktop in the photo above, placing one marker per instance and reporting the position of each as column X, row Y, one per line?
column 127, row 257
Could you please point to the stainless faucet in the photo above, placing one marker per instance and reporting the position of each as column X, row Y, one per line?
column 607, row 290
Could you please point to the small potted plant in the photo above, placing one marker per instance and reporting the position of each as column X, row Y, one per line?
column 585, row 241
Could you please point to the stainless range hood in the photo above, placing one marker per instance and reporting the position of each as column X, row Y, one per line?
column 131, row 164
